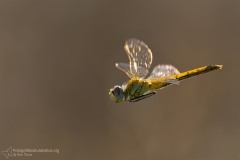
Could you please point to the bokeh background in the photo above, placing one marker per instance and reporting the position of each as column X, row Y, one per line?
column 57, row 61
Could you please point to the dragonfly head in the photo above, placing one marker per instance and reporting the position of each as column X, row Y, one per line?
column 116, row 94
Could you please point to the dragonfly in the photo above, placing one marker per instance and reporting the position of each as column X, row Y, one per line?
column 139, row 87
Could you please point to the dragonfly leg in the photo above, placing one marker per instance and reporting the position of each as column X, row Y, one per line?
column 143, row 96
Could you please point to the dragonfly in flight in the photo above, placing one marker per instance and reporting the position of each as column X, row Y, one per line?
column 139, row 87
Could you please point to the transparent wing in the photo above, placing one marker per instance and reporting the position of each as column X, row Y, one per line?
column 140, row 57
column 125, row 67
column 165, row 72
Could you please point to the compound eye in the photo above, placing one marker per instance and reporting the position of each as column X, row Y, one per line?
column 117, row 91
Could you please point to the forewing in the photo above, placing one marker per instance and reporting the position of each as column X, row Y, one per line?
column 166, row 71
column 125, row 67
column 140, row 57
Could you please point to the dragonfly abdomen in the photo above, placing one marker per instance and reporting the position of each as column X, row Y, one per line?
column 198, row 71
column 159, row 83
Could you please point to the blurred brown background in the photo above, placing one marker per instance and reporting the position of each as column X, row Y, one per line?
column 57, row 60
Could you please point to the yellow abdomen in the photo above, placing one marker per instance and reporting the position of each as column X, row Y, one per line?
column 160, row 82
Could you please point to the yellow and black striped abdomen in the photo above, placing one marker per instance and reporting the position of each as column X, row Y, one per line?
column 159, row 83
column 198, row 71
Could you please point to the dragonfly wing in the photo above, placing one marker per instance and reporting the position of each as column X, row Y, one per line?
column 161, row 71
column 125, row 67
column 140, row 57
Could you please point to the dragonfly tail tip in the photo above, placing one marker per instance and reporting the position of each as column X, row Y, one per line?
column 219, row 66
